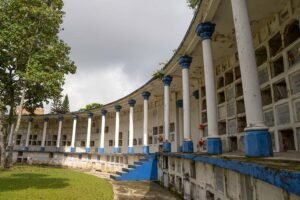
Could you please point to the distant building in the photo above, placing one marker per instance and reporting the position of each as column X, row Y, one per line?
column 38, row 111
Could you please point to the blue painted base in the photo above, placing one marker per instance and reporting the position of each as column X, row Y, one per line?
column 26, row 148
column 72, row 149
column 87, row 150
column 258, row 143
column 117, row 150
column 101, row 150
column 130, row 150
column 166, row 147
column 214, row 146
column 42, row 149
column 146, row 149
column 187, row 146
column 144, row 169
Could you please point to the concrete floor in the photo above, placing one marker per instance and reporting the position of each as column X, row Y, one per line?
column 137, row 190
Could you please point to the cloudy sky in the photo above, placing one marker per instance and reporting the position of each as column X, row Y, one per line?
column 118, row 44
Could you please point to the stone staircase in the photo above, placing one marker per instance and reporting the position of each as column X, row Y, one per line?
column 144, row 169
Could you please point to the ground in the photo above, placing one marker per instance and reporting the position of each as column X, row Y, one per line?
column 137, row 190
column 38, row 182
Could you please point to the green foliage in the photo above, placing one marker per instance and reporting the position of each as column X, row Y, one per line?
column 193, row 3
column 91, row 106
column 158, row 73
column 66, row 104
column 32, row 57
column 37, row 182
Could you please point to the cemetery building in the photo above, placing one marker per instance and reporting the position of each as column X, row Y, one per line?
column 221, row 122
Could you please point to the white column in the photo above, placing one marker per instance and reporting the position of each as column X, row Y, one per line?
column 60, row 120
column 187, row 146
column 88, row 135
column 44, row 133
column 205, row 31
column 101, row 147
column 28, row 133
column 10, row 137
column 257, row 139
column 180, row 139
column 146, row 96
column 73, row 148
column 117, row 130
column 167, row 82
column 131, row 103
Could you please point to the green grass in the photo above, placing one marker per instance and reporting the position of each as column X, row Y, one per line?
column 39, row 182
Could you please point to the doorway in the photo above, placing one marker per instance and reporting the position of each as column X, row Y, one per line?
column 233, row 144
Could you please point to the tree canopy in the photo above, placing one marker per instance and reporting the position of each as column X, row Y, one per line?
column 91, row 106
column 193, row 3
column 33, row 59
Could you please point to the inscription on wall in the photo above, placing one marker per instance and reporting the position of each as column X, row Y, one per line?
column 230, row 109
column 269, row 118
column 263, row 75
column 232, row 126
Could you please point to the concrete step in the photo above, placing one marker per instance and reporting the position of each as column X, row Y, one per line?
column 115, row 177
column 138, row 163
column 120, row 173
column 126, row 169
column 143, row 159
column 132, row 166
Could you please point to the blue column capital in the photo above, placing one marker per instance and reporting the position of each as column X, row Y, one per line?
column 146, row 95
column 185, row 61
column 90, row 114
column 30, row 119
column 131, row 102
column 167, row 80
column 103, row 112
column 46, row 119
column 179, row 103
column 196, row 94
column 60, row 117
column 205, row 30
column 118, row 108
column 75, row 116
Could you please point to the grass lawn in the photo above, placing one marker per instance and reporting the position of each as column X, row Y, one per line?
column 39, row 182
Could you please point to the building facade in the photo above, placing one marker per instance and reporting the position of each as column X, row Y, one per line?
column 231, row 88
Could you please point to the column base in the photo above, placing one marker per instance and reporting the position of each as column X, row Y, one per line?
column 87, row 150
column 26, row 148
column 57, row 149
column 258, row 143
column 187, row 146
column 42, row 149
column 130, row 150
column 146, row 149
column 117, row 150
column 72, row 149
column 101, row 150
column 214, row 146
column 166, row 147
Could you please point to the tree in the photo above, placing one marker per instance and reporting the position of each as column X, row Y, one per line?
column 193, row 3
column 33, row 60
column 66, row 104
column 91, row 106
column 56, row 106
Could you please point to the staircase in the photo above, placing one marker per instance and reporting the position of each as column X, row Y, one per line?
column 144, row 169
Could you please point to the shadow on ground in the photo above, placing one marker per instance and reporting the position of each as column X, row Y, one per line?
column 31, row 180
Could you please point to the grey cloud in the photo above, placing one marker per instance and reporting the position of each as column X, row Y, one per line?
column 134, row 34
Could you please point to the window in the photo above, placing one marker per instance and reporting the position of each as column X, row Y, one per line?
column 120, row 135
column 82, row 144
column 110, row 143
column 18, row 140
column 140, row 141
column 106, row 129
column 150, row 140
column 155, row 131
column 172, row 127
column 92, row 143
column 161, row 129
column 134, row 141
column 120, row 143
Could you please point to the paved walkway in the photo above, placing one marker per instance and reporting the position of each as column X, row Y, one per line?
column 137, row 190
